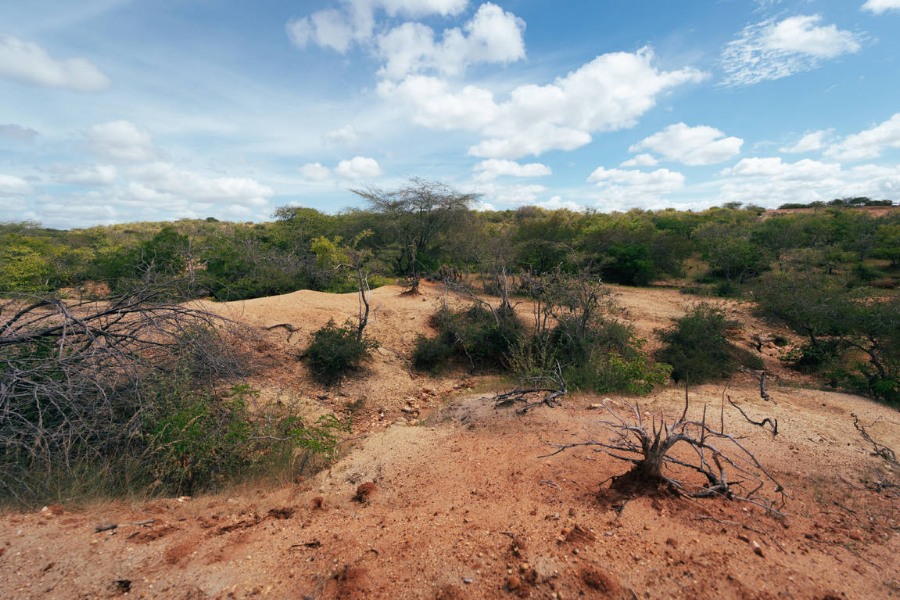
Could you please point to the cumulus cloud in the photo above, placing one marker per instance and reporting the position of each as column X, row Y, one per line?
column 358, row 167
column 90, row 176
column 694, row 146
column 775, row 49
column 315, row 171
column 343, row 136
column 493, row 168
column 30, row 63
column 435, row 106
column 611, row 92
column 869, row 143
column 778, row 182
column 775, row 168
column 17, row 132
column 492, row 36
column 654, row 182
column 641, row 160
column 808, row 143
column 510, row 195
column 10, row 185
column 121, row 141
column 354, row 21
column 166, row 178
column 620, row 189
column 880, row 6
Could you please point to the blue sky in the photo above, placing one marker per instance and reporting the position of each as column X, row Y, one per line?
column 127, row 110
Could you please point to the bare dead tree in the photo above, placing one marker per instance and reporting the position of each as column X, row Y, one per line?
column 525, row 396
column 708, row 451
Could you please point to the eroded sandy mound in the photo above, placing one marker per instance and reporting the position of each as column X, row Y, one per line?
column 463, row 502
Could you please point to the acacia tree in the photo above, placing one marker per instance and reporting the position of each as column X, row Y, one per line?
column 417, row 216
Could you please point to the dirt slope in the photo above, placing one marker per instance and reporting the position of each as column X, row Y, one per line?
column 464, row 504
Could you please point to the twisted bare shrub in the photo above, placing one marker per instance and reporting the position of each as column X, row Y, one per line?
column 708, row 451
column 77, row 379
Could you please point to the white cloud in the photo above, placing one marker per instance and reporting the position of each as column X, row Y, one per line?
column 510, row 195
column 493, row 168
column 327, row 28
column 772, row 50
column 770, row 180
column 343, row 136
column 654, row 182
column 17, row 132
column 492, row 36
column 869, row 143
column 121, row 141
column 10, row 185
column 611, row 92
column 30, row 63
column 776, row 169
column 808, row 143
column 436, row 107
column 354, row 22
column 358, row 167
column 802, row 35
column 621, row 189
column 165, row 178
column 641, row 160
column 421, row 8
column 90, row 176
column 315, row 171
column 880, row 6
column 701, row 145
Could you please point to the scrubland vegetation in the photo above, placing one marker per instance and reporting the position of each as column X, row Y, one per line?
column 106, row 376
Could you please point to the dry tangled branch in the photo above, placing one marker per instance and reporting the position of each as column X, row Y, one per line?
column 72, row 374
column 665, row 452
column 877, row 449
column 526, row 396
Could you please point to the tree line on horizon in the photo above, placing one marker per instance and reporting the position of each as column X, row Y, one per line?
column 425, row 227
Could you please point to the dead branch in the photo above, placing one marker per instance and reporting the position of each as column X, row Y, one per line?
column 772, row 422
column 526, row 395
column 878, row 449
column 712, row 453
column 73, row 375
column 291, row 329
column 761, row 377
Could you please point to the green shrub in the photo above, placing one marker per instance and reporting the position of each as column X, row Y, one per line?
column 193, row 440
column 602, row 357
column 611, row 372
column 698, row 350
column 431, row 354
column 336, row 351
column 477, row 336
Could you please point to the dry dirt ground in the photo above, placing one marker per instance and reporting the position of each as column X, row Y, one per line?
column 459, row 500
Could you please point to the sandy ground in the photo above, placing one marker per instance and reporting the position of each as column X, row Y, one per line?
column 459, row 499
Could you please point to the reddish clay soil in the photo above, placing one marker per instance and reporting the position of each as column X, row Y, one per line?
column 440, row 495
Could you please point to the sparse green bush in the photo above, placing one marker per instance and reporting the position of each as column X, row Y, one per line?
column 477, row 336
column 336, row 351
column 431, row 354
column 698, row 349
column 194, row 440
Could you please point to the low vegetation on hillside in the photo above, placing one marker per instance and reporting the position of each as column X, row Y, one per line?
column 107, row 377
